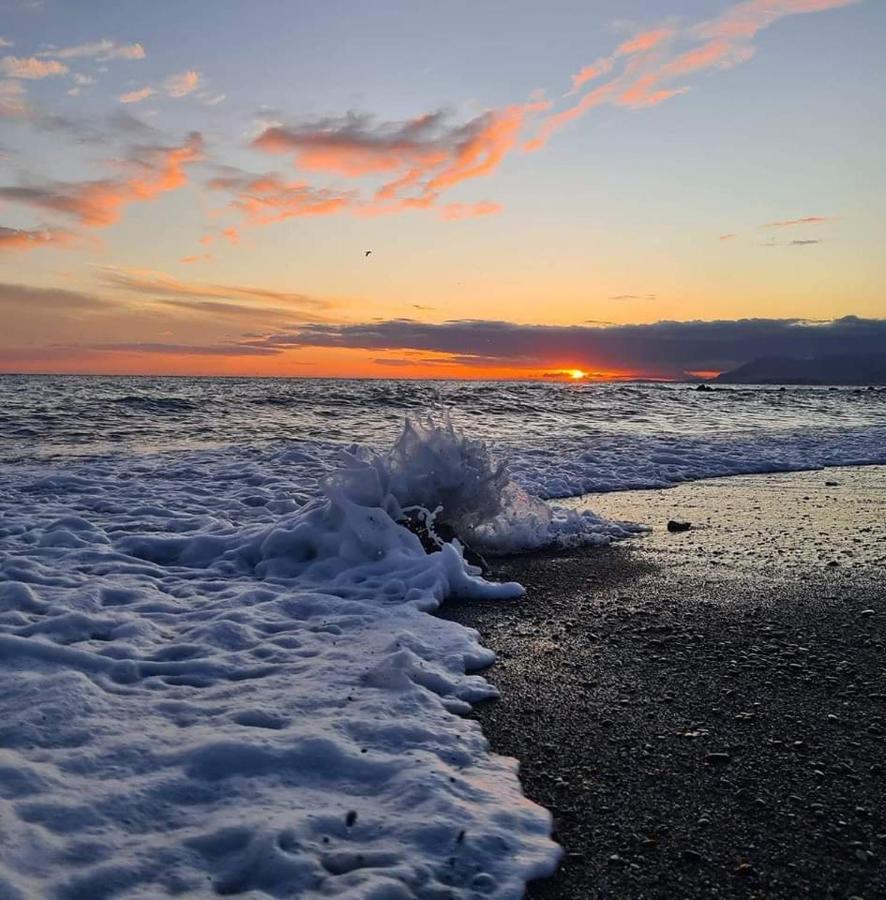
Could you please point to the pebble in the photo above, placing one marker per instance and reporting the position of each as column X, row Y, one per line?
column 718, row 759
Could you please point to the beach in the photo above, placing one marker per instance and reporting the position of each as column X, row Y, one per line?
column 703, row 712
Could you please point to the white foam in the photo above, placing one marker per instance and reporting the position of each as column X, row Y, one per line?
column 207, row 684
column 622, row 462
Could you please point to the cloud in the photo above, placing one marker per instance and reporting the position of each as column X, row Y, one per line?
column 32, row 239
column 151, row 170
column 418, row 158
column 640, row 43
column 182, row 84
column 727, row 237
column 4, row 42
column 14, row 296
column 263, row 199
column 797, row 243
column 644, row 41
column 104, row 50
column 137, row 96
column 125, row 123
column 592, row 72
column 409, row 164
column 30, row 67
column 661, row 349
column 159, row 284
column 790, row 223
column 744, row 20
column 643, row 67
column 13, row 103
column 183, row 349
column 215, row 308
column 633, row 297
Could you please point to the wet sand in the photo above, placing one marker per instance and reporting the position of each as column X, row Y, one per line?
column 705, row 713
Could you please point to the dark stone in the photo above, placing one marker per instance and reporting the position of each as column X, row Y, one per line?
column 442, row 532
column 674, row 525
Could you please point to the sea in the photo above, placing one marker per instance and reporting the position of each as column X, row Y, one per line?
column 220, row 672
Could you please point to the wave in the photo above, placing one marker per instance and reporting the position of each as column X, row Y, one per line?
column 571, row 468
column 156, row 404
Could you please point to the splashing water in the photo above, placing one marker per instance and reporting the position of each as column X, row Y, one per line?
column 454, row 480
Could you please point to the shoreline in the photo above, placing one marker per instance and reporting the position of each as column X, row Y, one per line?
column 703, row 713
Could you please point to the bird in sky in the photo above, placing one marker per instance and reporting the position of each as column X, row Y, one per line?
column 366, row 253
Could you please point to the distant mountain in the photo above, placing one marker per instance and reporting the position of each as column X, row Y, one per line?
column 861, row 370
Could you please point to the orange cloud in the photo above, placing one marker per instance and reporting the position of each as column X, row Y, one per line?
column 592, row 72
column 646, row 40
column 25, row 239
column 182, row 84
column 137, row 96
column 152, row 171
column 30, row 67
column 481, row 152
column 644, row 79
column 354, row 147
column 265, row 199
column 425, row 156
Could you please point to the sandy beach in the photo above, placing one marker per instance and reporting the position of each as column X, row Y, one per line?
column 703, row 712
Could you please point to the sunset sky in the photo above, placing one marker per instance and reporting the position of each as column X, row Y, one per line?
column 192, row 187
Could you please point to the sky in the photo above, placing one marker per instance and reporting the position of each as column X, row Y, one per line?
column 480, row 189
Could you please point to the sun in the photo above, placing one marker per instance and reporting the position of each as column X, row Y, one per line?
column 576, row 374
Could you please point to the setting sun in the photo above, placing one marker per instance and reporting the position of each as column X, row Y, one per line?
column 576, row 374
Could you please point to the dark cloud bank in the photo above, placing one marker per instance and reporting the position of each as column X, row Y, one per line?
column 661, row 349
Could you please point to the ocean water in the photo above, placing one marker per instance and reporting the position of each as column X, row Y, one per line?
column 558, row 439
column 219, row 670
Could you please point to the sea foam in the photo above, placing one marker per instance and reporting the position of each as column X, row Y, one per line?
column 219, row 673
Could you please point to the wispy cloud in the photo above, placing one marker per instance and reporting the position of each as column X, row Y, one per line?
column 48, row 299
column 215, row 309
column 103, row 50
column 263, row 199
column 34, row 238
column 644, row 68
column 807, row 220
column 137, row 96
column 159, row 284
column 13, row 101
column 182, row 349
column 31, row 68
column 152, row 170
column 182, row 84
